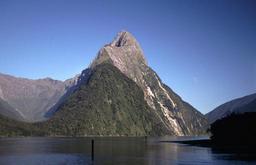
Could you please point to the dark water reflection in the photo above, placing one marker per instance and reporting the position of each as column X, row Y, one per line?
column 15, row 151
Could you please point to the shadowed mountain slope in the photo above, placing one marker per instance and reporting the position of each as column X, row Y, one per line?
column 240, row 105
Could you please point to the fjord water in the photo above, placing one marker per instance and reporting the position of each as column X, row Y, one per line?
column 111, row 150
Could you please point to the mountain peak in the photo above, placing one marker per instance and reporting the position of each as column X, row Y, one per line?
column 123, row 51
column 124, row 38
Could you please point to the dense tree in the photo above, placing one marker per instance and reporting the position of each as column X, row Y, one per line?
column 235, row 129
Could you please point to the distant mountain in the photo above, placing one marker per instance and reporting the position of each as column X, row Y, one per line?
column 173, row 115
column 240, row 105
column 30, row 98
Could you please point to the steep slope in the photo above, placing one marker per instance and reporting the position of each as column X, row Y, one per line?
column 71, row 85
column 8, row 111
column 108, row 103
column 125, row 53
column 30, row 98
column 240, row 105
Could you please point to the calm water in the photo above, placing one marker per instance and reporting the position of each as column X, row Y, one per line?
column 132, row 151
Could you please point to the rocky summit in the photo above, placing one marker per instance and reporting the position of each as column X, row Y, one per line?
column 119, row 95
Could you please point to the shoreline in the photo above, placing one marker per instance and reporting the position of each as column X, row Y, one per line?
column 238, row 148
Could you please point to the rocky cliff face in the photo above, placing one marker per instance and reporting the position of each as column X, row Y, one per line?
column 124, row 52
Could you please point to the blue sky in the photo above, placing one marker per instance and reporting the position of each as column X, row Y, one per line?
column 204, row 50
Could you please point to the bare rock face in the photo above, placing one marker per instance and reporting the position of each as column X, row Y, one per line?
column 125, row 53
column 30, row 98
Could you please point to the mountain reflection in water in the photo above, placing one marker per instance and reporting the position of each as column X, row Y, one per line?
column 114, row 150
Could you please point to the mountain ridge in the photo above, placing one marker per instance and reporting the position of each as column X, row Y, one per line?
column 31, row 98
column 237, row 105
